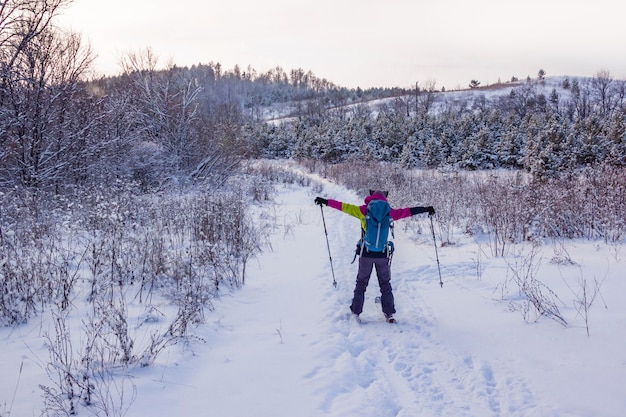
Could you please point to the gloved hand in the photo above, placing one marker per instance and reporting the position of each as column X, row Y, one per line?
column 321, row 201
column 430, row 210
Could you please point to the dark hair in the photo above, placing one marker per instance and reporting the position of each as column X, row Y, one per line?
column 383, row 193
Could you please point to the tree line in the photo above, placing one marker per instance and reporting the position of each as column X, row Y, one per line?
column 581, row 123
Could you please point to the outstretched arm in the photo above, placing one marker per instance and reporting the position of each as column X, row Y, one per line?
column 398, row 214
column 350, row 209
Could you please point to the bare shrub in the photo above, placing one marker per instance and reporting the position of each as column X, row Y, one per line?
column 587, row 204
column 40, row 258
column 62, row 397
column 536, row 297
column 502, row 211
column 268, row 173
column 226, row 235
column 82, row 376
column 508, row 207
column 587, row 296
column 186, row 245
column 585, row 293
column 447, row 192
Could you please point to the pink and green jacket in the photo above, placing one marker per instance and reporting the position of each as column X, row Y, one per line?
column 359, row 211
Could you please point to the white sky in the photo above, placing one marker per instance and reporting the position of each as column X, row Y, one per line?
column 365, row 43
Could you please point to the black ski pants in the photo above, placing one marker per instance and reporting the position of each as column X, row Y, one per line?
column 383, row 272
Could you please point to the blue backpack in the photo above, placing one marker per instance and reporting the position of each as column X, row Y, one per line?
column 377, row 224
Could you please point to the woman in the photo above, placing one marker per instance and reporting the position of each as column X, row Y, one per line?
column 372, row 253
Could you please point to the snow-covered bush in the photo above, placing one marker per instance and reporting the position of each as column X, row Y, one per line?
column 507, row 206
column 40, row 255
column 120, row 253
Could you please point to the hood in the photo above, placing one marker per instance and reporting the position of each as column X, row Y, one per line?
column 375, row 196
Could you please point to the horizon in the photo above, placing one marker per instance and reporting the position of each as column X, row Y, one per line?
column 449, row 43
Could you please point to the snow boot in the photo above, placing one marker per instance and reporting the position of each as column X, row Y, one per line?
column 389, row 318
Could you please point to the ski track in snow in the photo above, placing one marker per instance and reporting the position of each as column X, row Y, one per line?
column 403, row 370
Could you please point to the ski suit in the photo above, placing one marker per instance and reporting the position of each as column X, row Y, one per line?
column 368, row 260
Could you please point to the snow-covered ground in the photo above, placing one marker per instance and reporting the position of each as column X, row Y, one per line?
column 285, row 344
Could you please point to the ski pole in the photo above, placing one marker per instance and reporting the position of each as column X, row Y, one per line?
column 432, row 228
column 328, row 246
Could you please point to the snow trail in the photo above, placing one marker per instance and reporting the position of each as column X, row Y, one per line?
column 403, row 369
column 286, row 345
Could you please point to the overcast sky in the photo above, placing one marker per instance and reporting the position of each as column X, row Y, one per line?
column 364, row 43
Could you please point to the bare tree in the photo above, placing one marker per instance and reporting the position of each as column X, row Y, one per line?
column 165, row 108
column 45, row 138
column 21, row 22
column 166, row 111
column 602, row 90
column 426, row 96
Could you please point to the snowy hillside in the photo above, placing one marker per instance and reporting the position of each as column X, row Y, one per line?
column 280, row 113
column 285, row 344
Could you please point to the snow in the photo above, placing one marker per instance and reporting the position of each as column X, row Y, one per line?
column 286, row 345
